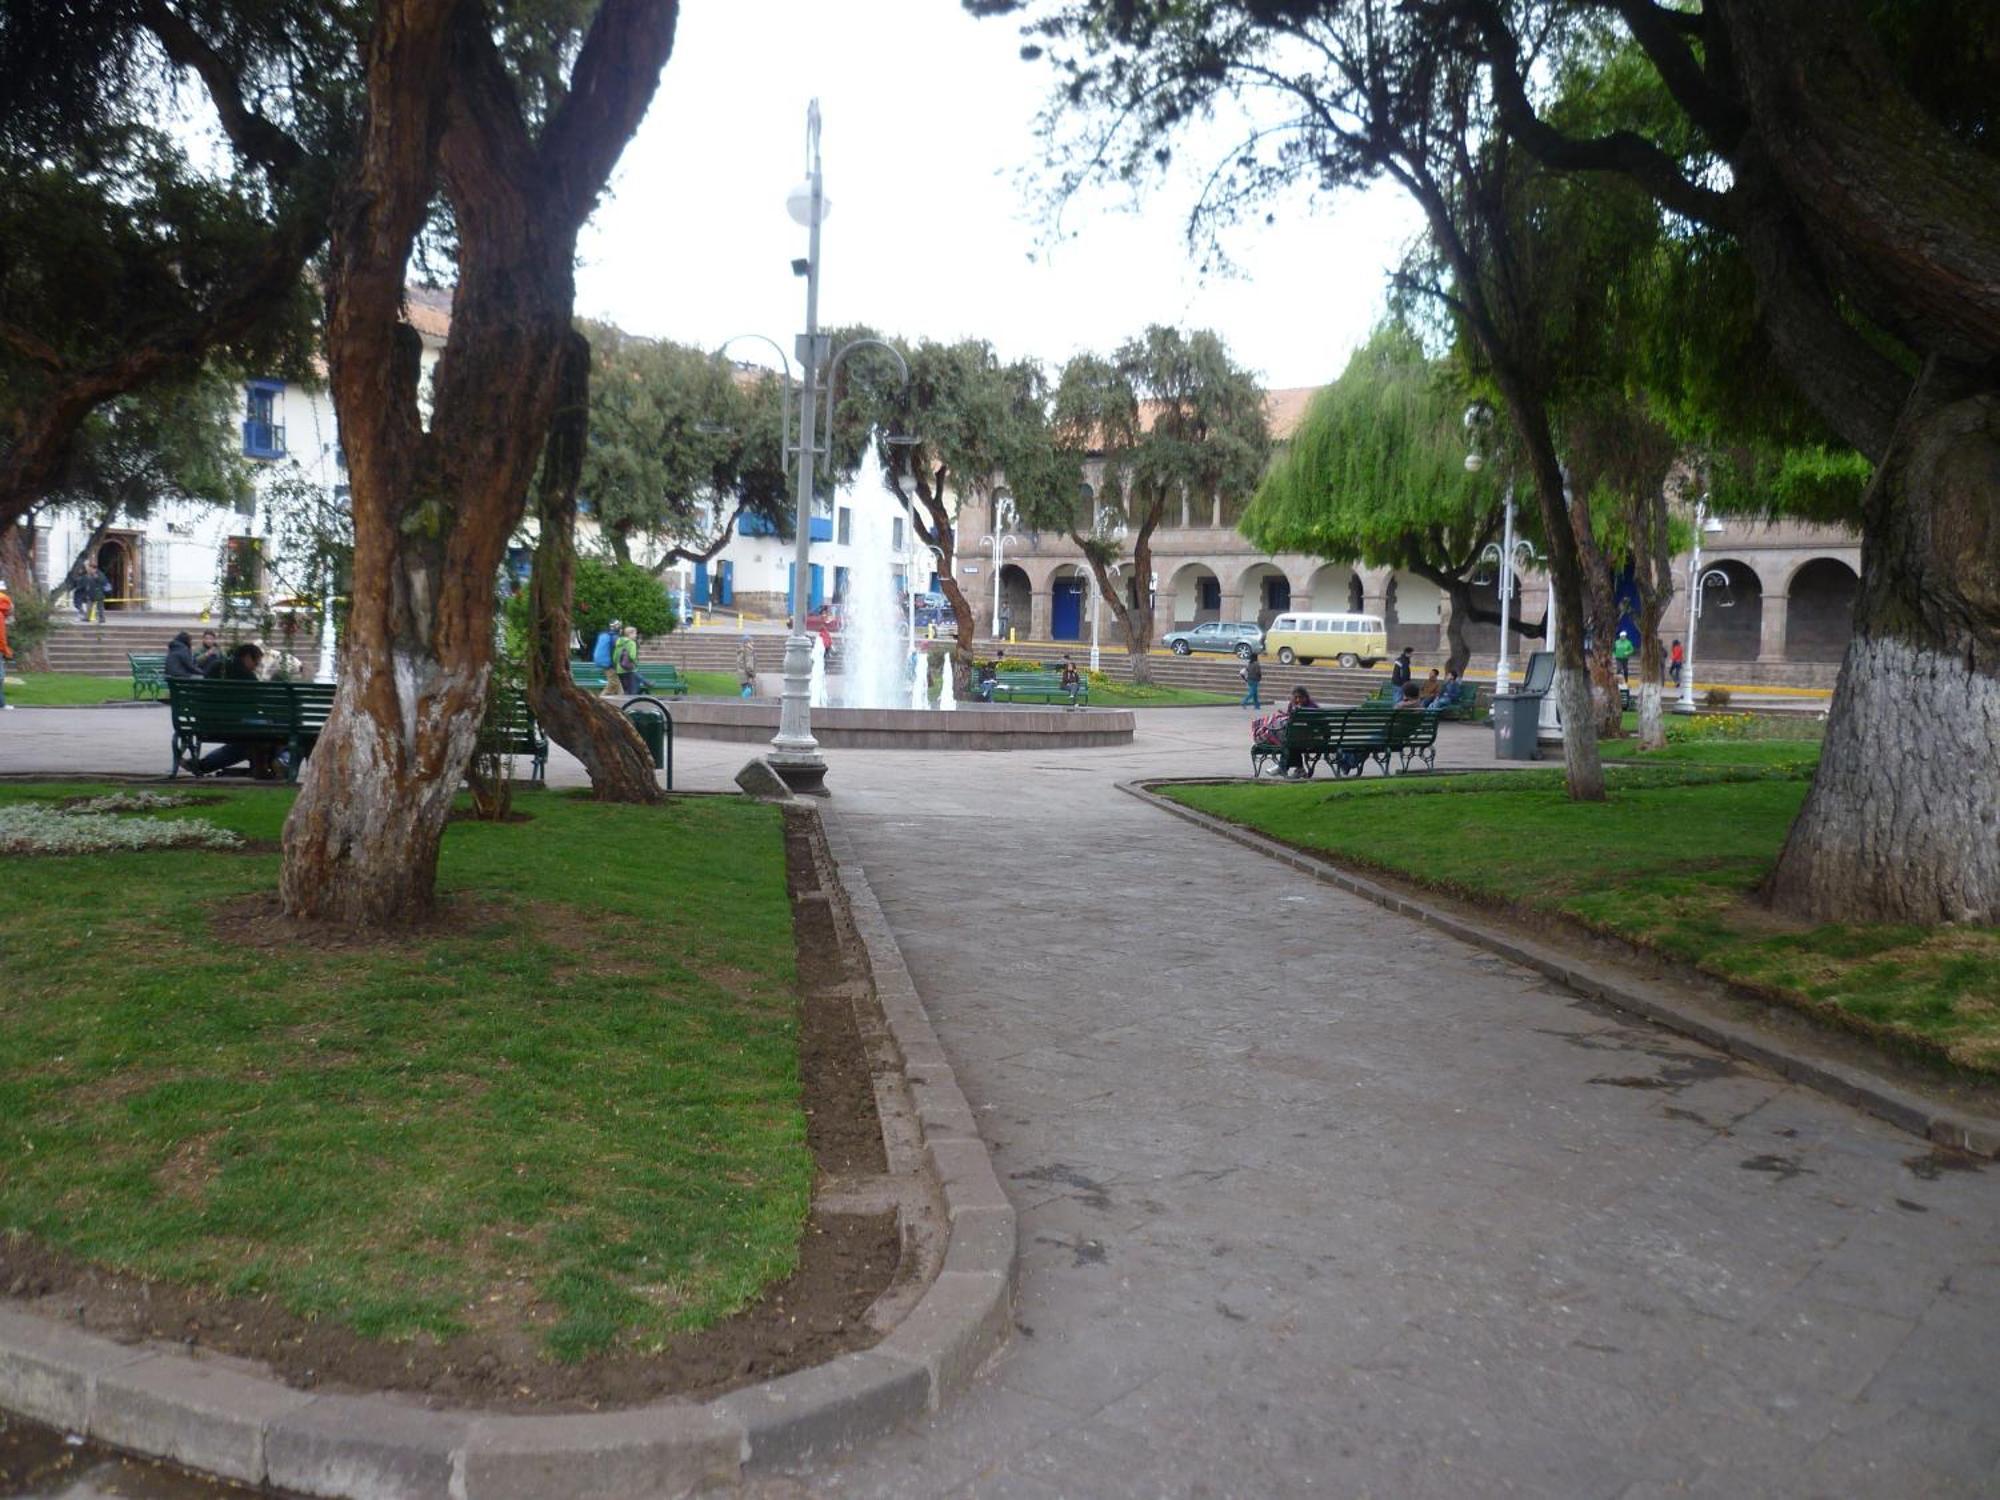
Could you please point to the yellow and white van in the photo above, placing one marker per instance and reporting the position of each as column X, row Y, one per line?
column 1351, row 640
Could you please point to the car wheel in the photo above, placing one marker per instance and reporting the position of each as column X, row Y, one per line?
column 1285, row 655
column 1348, row 659
column 1181, row 648
column 1244, row 651
column 1306, row 661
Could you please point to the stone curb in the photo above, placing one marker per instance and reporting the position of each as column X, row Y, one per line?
column 1665, row 1004
column 229, row 1418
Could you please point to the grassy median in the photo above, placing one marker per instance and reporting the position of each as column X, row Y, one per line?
column 571, row 1107
column 64, row 689
column 1670, row 862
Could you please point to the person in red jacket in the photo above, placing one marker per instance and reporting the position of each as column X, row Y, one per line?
column 6, row 653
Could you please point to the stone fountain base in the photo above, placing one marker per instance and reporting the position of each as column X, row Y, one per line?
column 979, row 728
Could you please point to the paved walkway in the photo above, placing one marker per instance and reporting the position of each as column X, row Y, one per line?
column 1315, row 1201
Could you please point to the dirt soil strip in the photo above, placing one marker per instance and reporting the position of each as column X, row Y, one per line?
column 904, row 1289
column 1784, row 1042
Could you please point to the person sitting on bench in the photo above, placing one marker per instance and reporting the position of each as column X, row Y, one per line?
column 263, row 758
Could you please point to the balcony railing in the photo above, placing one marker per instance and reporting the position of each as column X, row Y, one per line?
column 263, row 439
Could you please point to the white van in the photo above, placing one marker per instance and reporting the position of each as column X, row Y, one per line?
column 1351, row 640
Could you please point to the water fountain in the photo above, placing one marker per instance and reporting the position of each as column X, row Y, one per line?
column 880, row 698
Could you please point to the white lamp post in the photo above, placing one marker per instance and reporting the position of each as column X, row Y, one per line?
column 997, row 545
column 1698, row 581
column 794, row 751
column 1097, row 615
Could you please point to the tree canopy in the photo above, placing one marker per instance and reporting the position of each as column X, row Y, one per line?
column 680, row 442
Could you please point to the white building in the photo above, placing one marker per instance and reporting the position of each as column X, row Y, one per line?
column 753, row 571
column 181, row 556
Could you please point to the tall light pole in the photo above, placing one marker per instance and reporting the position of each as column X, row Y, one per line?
column 1512, row 555
column 996, row 543
column 1697, row 582
column 794, row 752
column 1097, row 614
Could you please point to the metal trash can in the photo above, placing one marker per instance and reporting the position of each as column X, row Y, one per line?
column 655, row 724
column 1517, row 721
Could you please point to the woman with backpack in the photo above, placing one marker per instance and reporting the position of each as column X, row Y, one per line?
column 625, row 660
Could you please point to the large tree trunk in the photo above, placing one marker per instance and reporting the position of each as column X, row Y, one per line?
column 619, row 765
column 1903, row 820
column 435, row 502
column 1600, row 618
column 1458, row 653
column 1135, row 619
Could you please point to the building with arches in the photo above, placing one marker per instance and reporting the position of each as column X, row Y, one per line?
column 1780, row 616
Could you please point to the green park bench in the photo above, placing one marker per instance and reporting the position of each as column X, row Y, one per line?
column 221, row 711
column 1465, row 710
column 663, row 677
column 1369, row 732
column 512, row 729
column 149, row 674
column 1019, row 687
column 587, row 675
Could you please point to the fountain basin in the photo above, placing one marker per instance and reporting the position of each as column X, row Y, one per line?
column 977, row 728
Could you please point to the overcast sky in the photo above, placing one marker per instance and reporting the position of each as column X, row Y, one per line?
column 928, row 122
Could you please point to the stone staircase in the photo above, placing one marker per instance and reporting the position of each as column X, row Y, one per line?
column 100, row 650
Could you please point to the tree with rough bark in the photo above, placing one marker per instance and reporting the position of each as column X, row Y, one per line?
column 1375, row 474
column 1337, row 93
column 682, row 443
column 129, row 257
column 1169, row 416
column 519, row 162
column 964, row 424
column 615, row 758
column 1849, row 152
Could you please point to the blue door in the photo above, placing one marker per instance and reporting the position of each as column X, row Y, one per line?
column 816, row 595
column 701, row 583
column 1066, row 609
column 725, row 582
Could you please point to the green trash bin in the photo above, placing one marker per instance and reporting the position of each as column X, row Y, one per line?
column 655, row 724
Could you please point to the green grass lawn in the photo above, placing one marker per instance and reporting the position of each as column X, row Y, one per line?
column 1114, row 694
column 64, row 689
column 575, row 1107
column 1671, row 862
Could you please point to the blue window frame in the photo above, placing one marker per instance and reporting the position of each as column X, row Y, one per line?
column 754, row 525
column 263, row 434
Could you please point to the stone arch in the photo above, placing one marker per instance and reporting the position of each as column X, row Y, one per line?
column 1336, row 589
column 1819, row 611
column 1412, row 612
column 1017, row 598
column 1265, row 590
column 1732, row 614
column 1070, row 589
column 1197, row 594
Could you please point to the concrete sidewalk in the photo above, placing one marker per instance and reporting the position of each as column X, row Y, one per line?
column 1316, row 1201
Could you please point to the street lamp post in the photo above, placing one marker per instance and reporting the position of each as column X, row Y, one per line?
column 794, row 752
column 996, row 543
column 1512, row 555
column 1697, row 582
column 1097, row 615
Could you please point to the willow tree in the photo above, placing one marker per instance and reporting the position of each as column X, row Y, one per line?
column 1375, row 473
column 518, row 151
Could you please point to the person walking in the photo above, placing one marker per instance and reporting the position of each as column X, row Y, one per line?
column 90, row 593
column 600, row 653
column 746, row 666
column 1621, row 652
column 625, row 658
column 1399, row 674
column 6, row 651
column 1676, row 660
column 1253, row 681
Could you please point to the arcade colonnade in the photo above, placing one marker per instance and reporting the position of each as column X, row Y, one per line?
column 1776, row 595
